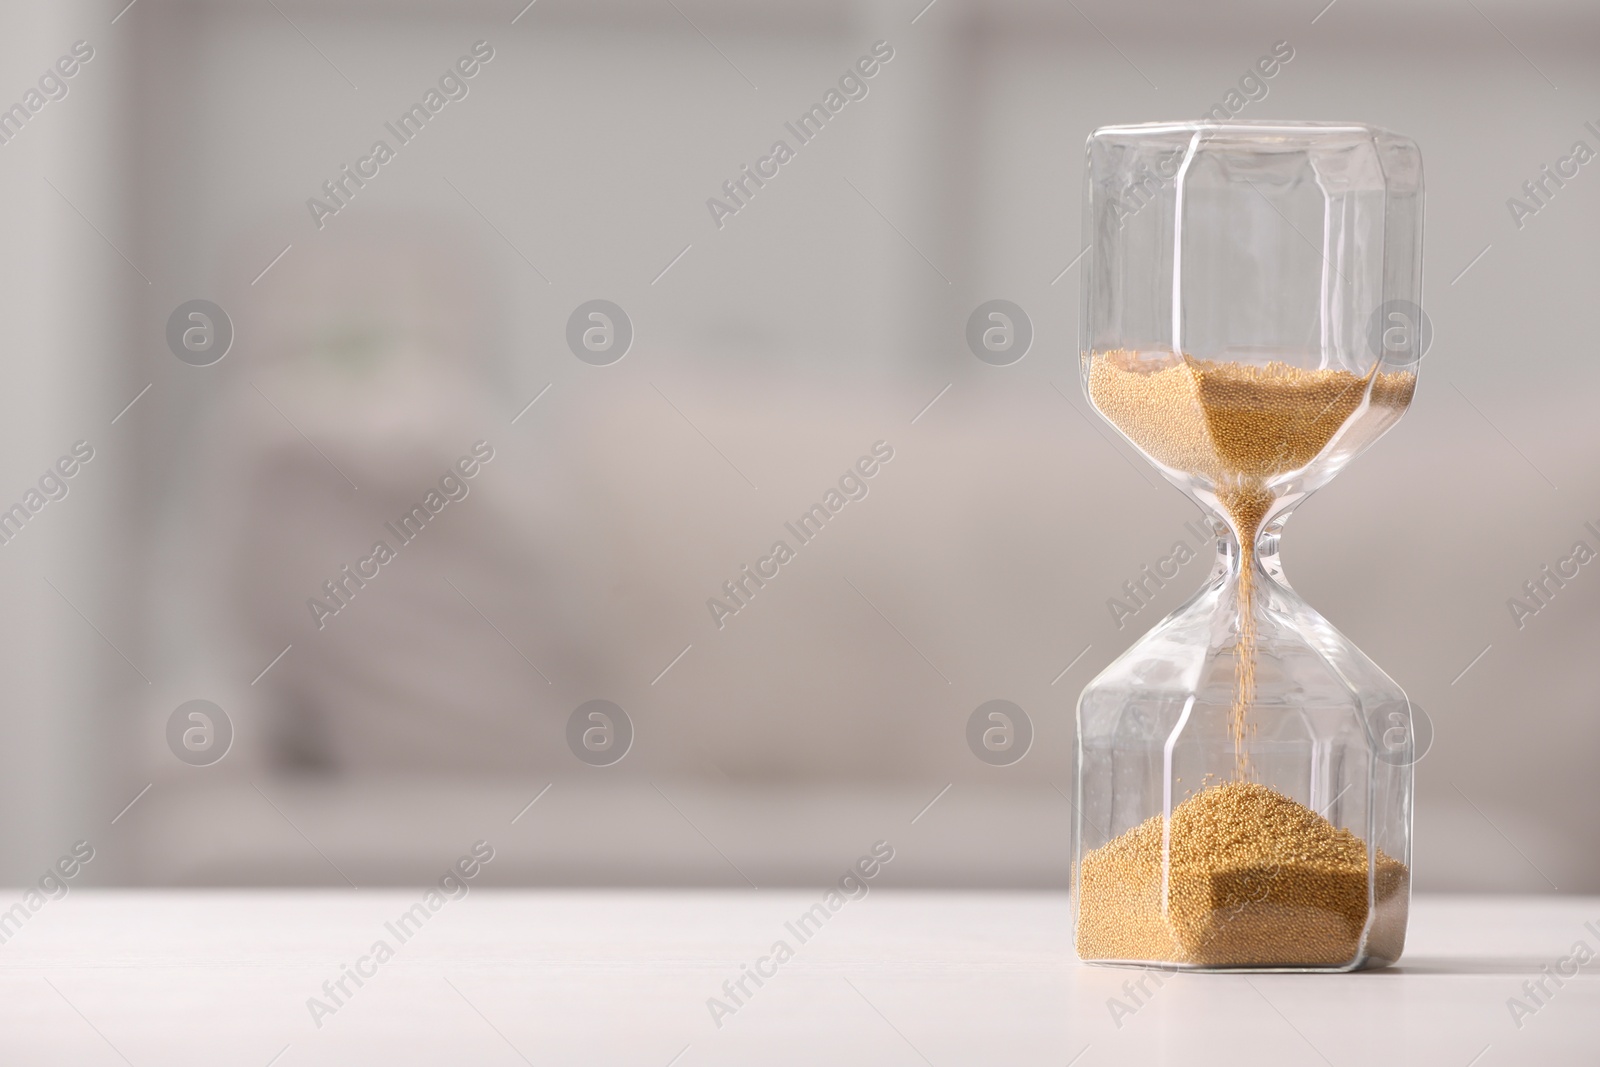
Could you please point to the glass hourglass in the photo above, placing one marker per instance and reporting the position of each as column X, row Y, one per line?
column 1250, row 324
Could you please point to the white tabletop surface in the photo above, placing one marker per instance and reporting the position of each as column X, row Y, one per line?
column 502, row 977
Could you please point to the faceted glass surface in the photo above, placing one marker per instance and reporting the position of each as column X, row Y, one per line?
column 1250, row 324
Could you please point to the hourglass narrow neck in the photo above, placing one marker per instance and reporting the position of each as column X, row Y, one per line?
column 1264, row 548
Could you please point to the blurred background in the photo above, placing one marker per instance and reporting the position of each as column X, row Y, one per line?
column 376, row 345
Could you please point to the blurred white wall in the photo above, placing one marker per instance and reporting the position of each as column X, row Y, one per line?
column 820, row 319
column 65, row 291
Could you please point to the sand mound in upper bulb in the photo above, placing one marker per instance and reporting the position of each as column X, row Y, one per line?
column 1233, row 422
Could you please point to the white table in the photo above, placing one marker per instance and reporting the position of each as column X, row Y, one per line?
column 501, row 977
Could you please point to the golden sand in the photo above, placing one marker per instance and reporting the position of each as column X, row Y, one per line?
column 1237, row 426
column 1256, row 879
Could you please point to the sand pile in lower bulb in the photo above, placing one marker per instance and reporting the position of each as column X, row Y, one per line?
column 1256, row 879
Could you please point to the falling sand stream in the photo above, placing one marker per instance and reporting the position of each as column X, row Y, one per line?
column 1235, row 427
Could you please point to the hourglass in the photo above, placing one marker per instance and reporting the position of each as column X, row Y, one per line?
column 1250, row 324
